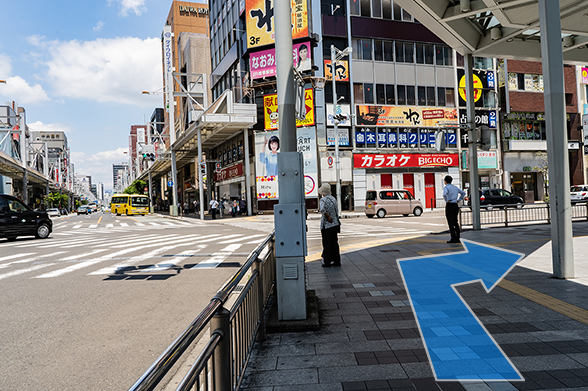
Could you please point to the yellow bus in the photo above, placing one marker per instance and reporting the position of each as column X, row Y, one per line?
column 129, row 204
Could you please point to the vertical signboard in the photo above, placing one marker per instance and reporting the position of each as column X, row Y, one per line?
column 260, row 21
column 270, row 111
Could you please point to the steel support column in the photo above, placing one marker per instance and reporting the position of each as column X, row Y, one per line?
column 473, row 140
column 200, row 182
column 557, row 139
column 247, row 172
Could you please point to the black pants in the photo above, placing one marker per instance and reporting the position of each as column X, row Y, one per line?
column 213, row 212
column 451, row 212
column 331, row 254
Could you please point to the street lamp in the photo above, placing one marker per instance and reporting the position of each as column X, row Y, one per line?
column 337, row 55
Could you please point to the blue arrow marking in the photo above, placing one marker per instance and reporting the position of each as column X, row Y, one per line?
column 458, row 345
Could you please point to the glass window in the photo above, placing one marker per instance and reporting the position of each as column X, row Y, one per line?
column 401, row 95
column 368, row 93
column 399, row 52
column 377, row 8
column 429, row 54
column 440, row 96
column 388, row 51
column 521, row 81
column 439, row 55
column 387, row 9
column 390, row 94
column 397, row 12
column 378, row 51
column 365, row 8
column 408, row 52
column 489, row 98
column 356, row 44
column 430, row 96
column 448, row 54
column 460, row 60
column 354, row 7
column 366, row 45
column 380, row 94
column 420, row 53
column 406, row 16
column 422, row 92
column 410, row 96
column 450, row 97
column 358, row 92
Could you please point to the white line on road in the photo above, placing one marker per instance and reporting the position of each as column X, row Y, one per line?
column 240, row 239
column 124, row 225
column 218, row 257
column 174, row 261
column 15, row 256
column 22, row 271
column 5, row 265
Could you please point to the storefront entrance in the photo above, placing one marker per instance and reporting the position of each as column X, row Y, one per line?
column 525, row 185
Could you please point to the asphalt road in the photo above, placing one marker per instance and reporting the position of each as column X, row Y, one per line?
column 94, row 305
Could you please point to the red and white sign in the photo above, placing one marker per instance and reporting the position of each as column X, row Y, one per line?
column 229, row 172
column 389, row 160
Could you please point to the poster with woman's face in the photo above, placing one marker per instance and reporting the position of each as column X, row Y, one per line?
column 267, row 146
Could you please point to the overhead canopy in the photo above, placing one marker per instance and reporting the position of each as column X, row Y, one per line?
column 12, row 168
column 502, row 28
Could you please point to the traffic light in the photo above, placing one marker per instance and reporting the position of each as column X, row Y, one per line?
column 203, row 169
column 340, row 118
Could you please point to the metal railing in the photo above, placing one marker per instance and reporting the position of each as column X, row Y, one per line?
column 521, row 213
column 222, row 362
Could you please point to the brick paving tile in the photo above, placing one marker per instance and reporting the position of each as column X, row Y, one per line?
column 377, row 385
column 425, row 384
column 354, row 386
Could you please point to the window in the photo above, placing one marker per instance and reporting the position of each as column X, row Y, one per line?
column 358, row 92
column 377, row 8
column 424, row 54
column 450, row 97
column 387, row 9
column 448, row 54
column 366, row 45
column 397, row 12
column 439, row 56
column 380, row 94
column 401, row 95
column 399, row 52
column 378, row 51
column 406, row 16
column 441, row 96
column 422, row 96
column 368, row 93
column 521, row 81
column 483, row 63
column 365, row 8
column 354, row 7
column 460, row 60
column 356, row 44
column 409, row 52
column 410, row 96
column 388, row 51
column 430, row 96
column 390, row 94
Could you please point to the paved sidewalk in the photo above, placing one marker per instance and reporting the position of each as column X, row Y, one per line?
column 311, row 215
column 369, row 339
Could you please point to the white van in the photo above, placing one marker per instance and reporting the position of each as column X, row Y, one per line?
column 391, row 201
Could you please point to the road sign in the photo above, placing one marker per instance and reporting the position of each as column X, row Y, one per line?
column 145, row 189
column 63, row 185
column 57, row 185
column 170, row 183
column 458, row 346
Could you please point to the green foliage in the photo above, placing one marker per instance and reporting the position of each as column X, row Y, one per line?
column 137, row 187
column 56, row 200
column 77, row 203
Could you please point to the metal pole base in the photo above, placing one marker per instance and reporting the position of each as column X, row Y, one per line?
column 173, row 210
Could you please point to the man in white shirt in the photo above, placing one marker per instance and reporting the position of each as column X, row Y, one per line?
column 213, row 208
column 452, row 195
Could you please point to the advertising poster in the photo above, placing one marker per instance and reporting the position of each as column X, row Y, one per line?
column 260, row 21
column 270, row 111
column 341, row 70
column 369, row 115
column 263, row 63
column 371, row 160
column 584, row 75
column 267, row 147
column 344, row 109
column 483, row 117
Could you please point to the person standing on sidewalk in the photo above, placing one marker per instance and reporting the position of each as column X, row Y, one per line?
column 330, row 227
column 213, row 208
column 452, row 195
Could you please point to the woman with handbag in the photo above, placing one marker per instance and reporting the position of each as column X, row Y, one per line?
column 330, row 227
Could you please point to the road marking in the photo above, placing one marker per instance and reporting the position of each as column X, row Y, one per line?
column 109, row 225
column 140, row 240
column 77, row 226
column 22, row 271
column 243, row 238
column 218, row 257
column 179, row 258
column 124, row 225
column 140, row 224
column 15, row 256
column 5, row 265
column 80, row 256
column 100, row 219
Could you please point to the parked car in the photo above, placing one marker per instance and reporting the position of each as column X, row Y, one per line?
column 490, row 197
column 579, row 193
column 17, row 219
column 391, row 201
column 53, row 212
column 84, row 210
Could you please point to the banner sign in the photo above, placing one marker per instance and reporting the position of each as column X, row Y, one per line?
column 341, row 70
column 483, row 117
column 267, row 147
column 392, row 160
column 343, row 137
column 260, row 21
column 406, row 116
column 270, row 111
column 486, row 160
column 263, row 63
column 584, row 75
column 228, row 172
column 341, row 109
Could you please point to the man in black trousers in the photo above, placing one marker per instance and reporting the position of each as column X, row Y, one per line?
column 452, row 195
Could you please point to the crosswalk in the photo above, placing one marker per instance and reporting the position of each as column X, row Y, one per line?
column 123, row 255
column 66, row 228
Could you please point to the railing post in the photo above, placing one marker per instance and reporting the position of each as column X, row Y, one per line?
column 548, row 214
column 222, row 375
column 257, row 265
column 586, row 211
column 506, row 216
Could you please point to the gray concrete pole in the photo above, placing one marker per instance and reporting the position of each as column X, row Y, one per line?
column 23, row 155
column 247, row 172
column 200, row 182
column 473, row 138
column 557, row 139
column 352, row 103
column 335, row 123
column 285, row 75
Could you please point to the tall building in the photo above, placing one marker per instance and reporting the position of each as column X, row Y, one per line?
column 120, row 177
column 58, row 151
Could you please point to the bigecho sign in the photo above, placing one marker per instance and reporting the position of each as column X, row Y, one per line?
column 229, row 172
column 391, row 160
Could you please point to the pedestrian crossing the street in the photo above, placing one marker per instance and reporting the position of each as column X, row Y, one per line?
column 124, row 255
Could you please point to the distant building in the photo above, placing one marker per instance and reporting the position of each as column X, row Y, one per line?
column 120, row 177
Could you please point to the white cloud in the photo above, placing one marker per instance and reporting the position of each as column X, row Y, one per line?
column 104, row 70
column 136, row 6
column 16, row 88
column 99, row 165
column 38, row 126
column 98, row 26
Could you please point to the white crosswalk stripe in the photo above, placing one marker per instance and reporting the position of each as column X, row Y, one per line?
column 31, row 259
column 22, row 271
column 15, row 256
column 240, row 239
column 173, row 260
column 218, row 257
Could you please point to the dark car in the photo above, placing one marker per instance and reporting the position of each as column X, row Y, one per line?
column 17, row 219
column 491, row 197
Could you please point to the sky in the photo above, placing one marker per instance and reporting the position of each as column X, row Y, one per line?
column 80, row 66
